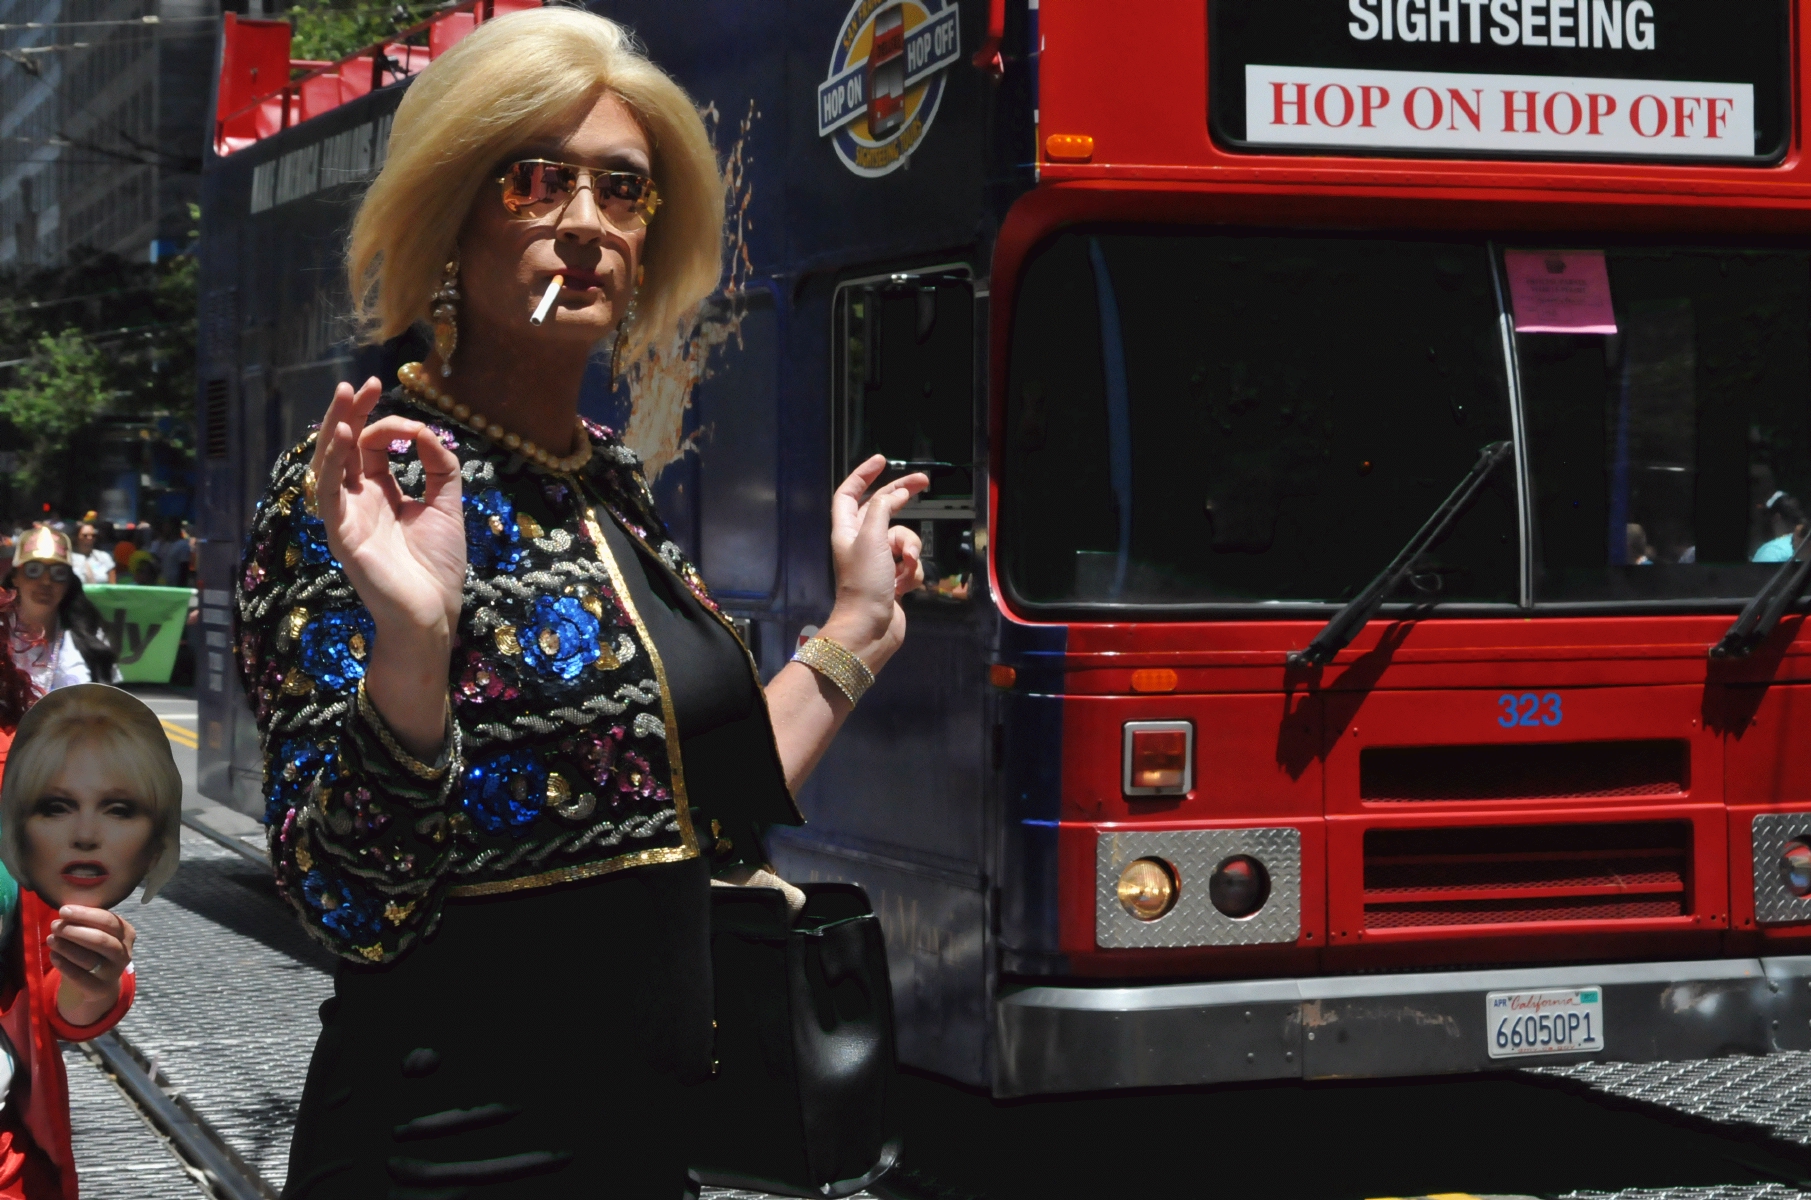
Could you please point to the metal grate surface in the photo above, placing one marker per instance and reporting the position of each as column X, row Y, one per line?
column 1549, row 770
column 1768, row 1092
column 1764, row 1191
column 117, row 1155
column 228, row 991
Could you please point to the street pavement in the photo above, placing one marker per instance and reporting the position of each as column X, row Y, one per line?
column 226, row 1019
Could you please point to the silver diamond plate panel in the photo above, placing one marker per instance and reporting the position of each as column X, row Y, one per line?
column 1194, row 853
column 1773, row 904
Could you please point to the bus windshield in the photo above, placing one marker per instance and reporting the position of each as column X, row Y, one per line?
column 1210, row 419
column 1206, row 419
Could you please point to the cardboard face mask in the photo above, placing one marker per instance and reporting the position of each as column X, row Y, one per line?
column 90, row 799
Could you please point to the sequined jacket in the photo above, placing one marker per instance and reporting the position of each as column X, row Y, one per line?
column 563, row 763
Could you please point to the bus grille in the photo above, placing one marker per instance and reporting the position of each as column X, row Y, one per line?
column 1550, row 770
column 1526, row 874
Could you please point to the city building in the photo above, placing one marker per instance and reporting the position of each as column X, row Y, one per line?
column 103, row 120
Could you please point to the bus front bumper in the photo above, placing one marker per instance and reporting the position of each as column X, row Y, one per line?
column 1073, row 1039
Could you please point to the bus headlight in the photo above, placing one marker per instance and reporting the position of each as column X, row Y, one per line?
column 1239, row 886
column 1795, row 867
column 1148, row 888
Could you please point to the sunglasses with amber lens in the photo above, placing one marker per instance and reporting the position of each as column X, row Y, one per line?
column 536, row 187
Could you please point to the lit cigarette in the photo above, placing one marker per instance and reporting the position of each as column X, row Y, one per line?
column 547, row 298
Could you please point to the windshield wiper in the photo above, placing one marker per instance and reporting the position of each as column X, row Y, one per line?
column 1338, row 633
column 1763, row 612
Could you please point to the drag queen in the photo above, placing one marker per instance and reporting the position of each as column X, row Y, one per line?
column 508, row 736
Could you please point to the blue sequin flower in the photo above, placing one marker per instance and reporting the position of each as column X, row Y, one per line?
column 505, row 793
column 311, row 532
column 345, row 908
column 301, row 761
column 492, row 537
column 561, row 639
column 335, row 646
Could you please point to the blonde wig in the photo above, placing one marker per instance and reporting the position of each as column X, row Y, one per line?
column 95, row 719
column 514, row 79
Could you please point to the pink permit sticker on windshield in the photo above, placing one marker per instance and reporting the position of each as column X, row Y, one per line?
column 1560, row 291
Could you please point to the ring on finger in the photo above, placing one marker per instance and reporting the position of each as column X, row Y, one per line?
column 310, row 488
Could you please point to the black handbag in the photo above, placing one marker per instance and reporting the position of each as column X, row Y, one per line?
column 804, row 1048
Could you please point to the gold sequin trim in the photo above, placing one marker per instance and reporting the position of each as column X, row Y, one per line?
column 641, row 858
column 297, row 683
column 304, row 859
column 396, row 913
column 681, row 804
column 505, row 636
column 407, row 761
column 530, row 527
column 371, row 953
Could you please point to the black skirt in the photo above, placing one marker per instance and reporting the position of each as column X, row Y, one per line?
column 535, row 1046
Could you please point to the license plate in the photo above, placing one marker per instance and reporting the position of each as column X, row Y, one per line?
column 1566, row 1021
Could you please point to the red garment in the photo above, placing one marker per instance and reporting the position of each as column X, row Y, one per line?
column 25, row 1172
column 39, row 1098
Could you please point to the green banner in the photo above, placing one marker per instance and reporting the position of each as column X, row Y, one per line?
column 145, row 624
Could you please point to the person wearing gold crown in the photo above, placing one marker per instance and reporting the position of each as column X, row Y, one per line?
column 56, row 635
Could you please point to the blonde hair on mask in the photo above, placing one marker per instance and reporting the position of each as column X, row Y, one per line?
column 514, row 79
column 119, row 729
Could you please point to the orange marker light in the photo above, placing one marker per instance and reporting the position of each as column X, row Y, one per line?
column 1159, row 758
column 1002, row 676
column 1069, row 147
column 1154, row 680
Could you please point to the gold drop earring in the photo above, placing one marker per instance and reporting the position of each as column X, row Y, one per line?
column 444, row 309
column 622, row 330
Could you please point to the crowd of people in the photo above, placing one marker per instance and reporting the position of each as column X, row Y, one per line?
column 159, row 553
column 55, row 633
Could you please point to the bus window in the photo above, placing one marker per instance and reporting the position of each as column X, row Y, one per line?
column 1654, row 451
column 738, row 410
column 1208, row 419
column 905, row 380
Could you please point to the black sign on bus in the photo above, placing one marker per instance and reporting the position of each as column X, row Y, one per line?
column 1727, row 41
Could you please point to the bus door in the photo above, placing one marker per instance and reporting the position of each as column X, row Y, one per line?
column 899, row 803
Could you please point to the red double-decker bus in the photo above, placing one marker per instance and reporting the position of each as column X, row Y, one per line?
column 1489, row 321
column 1371, row 445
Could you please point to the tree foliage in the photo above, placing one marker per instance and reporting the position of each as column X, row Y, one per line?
column 106, row 380
column 62, row 388
column 326, row 30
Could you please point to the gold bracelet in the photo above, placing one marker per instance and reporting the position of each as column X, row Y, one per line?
column 410, row 763
column 834, row 662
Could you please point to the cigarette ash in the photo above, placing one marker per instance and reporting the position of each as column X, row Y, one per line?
column 662, row 379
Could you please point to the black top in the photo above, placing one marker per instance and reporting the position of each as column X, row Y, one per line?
column 732, row 769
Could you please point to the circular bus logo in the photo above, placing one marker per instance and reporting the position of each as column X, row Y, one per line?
column 886, row 79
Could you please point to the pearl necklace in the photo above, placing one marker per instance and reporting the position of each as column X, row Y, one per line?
column 415, row 379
